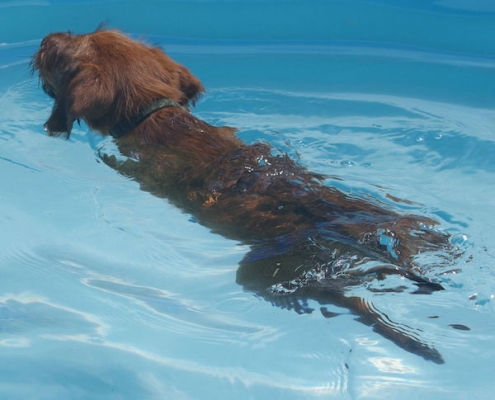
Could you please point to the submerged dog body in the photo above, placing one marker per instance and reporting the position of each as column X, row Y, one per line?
column 308, row 240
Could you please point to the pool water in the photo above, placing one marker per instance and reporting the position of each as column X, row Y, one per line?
column 110, row 293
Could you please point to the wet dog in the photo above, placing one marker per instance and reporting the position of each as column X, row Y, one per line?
column 308, row 241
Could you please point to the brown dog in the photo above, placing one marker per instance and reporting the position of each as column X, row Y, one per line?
column 308, row 241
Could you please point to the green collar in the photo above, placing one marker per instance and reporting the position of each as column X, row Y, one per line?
column 124, row 127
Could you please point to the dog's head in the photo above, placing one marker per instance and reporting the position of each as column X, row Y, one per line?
column 104, row 78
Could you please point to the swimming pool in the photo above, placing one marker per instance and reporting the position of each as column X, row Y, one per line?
column 108, row 292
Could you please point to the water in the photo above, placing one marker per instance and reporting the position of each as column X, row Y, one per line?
column 110, row 293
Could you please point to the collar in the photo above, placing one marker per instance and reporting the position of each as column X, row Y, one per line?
column 126, row 126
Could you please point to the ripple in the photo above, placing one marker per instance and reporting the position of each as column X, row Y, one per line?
column 30, row 318
column 434, row 134
column 179, row 315
column 18, row 342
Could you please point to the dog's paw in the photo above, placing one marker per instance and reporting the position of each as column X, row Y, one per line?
column 57, row 127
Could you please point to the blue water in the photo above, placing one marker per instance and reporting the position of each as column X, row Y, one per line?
column 107, row 292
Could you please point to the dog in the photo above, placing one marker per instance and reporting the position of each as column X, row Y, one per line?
column 308, row 241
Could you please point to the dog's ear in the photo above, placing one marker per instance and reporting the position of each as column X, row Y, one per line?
column 88, row 96
column 190, row 85
column 182, row 85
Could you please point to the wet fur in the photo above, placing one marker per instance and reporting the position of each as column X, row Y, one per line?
column 308, row 241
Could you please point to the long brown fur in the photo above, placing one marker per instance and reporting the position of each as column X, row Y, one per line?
column 308, row 240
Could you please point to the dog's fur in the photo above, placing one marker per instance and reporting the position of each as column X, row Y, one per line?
column 308, row 240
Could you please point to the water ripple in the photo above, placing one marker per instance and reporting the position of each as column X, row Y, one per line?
column 177, row 314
